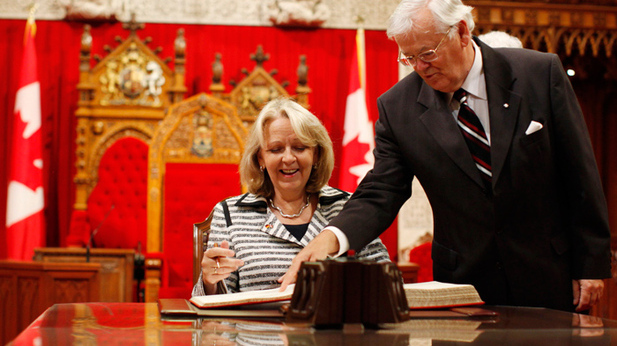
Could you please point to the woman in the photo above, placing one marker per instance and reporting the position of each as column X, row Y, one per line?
column 288, row 160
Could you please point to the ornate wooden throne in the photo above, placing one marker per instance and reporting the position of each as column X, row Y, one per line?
column 193, row 164
column 150, row 164
column 121, row 101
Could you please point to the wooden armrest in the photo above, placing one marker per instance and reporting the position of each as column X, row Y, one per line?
column 201, row 233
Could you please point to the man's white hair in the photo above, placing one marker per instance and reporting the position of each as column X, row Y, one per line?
column 500, row 39
column 446, row 13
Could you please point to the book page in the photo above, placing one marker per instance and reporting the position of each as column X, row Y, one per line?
column 435, row 294
column 433, row 285
column 240, row 298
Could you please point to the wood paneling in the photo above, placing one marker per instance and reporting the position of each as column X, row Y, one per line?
column 117, row 268
column 27, row 289
column 565, row 29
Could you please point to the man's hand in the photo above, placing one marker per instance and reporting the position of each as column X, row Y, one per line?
column 587, row 293
column 319, row 248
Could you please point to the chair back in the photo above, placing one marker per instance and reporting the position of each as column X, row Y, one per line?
column 201, row 233
column 122, row 98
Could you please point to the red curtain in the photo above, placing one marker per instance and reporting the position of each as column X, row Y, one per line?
column 328, row 57
column 328, row 54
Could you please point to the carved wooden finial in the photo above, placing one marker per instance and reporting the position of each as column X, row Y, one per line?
column 86, row 47
column 259, row 57
column 180, row 44
column 302, row 71
column 31, row 11
column 359, row 19
column 217, row 69
column 132, row 25
column 203, row 101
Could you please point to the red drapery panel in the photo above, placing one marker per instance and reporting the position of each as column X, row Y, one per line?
column 58, row 42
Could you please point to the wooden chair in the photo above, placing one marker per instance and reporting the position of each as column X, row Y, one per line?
column 193, row 158
column 122, row 98
column 201, row 233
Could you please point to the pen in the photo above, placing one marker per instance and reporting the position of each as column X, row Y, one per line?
column 218, row 264
column 221, row 286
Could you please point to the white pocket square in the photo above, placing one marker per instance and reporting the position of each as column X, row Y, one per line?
column 534, row 126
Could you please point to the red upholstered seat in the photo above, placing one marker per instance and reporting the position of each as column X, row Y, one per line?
column 117, row 205
column 421, row 255
column 190, row 193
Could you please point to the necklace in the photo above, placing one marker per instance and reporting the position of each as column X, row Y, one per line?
column 294, row 215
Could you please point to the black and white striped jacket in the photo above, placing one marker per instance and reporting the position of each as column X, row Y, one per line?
column 258, row 238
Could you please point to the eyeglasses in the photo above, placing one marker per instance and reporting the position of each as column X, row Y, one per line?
column 426, row 56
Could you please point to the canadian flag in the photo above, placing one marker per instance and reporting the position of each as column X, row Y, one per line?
column 358, row 140
column 25, row 199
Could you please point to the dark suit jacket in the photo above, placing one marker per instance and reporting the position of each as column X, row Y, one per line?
column 545, row 221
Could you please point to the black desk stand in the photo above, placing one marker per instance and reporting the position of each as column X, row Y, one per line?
column 333, row 292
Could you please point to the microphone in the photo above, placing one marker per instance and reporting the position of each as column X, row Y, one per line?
column 95, row 231
column 139, row 272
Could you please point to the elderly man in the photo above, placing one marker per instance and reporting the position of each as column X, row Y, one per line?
column 498, row 141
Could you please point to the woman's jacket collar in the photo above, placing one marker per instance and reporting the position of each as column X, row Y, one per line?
column 327, row 195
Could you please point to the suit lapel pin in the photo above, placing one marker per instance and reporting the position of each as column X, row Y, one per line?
column 505, row 105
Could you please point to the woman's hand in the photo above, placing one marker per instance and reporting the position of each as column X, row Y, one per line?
column 217, row 264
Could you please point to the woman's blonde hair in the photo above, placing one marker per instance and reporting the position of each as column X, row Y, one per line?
column 310, row 132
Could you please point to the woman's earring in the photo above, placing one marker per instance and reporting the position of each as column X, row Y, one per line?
column 261, row 168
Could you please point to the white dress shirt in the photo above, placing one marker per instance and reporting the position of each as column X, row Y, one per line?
column 475, row 85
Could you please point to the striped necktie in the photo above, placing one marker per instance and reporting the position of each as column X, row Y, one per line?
column 475, row 137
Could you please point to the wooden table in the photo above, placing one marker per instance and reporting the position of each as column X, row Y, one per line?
column 141, row 323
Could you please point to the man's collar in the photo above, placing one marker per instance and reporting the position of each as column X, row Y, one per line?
column 474, row 82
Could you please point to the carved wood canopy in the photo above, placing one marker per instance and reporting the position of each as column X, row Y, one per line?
column 556, row 27
column 571, row 28
column 123, row 95
column 132, row 92
column 258, row 87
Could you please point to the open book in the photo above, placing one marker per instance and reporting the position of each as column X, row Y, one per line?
column 434, row 294
column 243, row 298
column 175, row 310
